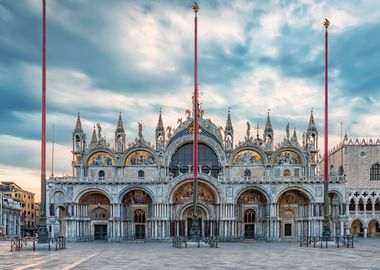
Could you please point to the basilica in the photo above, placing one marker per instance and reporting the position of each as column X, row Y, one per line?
column 253, row 189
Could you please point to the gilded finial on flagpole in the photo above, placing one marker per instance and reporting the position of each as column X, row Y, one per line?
column 326, row 23
column 195, row 7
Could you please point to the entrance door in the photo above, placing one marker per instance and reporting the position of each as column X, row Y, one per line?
column 100, row 232
column 190, row 223
column 140, row 231
column 288, row 229
column 249, row 231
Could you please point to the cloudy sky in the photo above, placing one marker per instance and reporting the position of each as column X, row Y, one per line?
column 137, row 56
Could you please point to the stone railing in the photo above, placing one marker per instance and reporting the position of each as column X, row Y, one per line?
column 222, row 179
column 291, row 179
column 107, row 180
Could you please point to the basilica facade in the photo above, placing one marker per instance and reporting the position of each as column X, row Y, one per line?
column 252, row 189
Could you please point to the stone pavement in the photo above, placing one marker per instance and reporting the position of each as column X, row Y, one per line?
column 277, row 255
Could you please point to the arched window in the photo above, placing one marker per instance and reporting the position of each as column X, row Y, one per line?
column 99, row 213
column 340, row 170
column 352, row 205
column 247, row 173
column 101, row 174
column 139, row 216
column 361, row 205
column 249, row 216
column 375, row 172
column 183, row 158
column 140, row 174
column 332, row 170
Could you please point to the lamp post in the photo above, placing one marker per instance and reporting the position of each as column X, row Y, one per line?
column 326, row 223
column 195, row 228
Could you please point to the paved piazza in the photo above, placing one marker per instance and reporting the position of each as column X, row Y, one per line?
column 279, row 255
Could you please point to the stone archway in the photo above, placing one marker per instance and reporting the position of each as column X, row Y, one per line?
column 182, row 198
column 336, row 210
column 60, row 227
column 94, row 208
column 294, row 213
column 373, row 228
column 357, row 227
column 187, row 217
column 252, row 210
column 136, row 212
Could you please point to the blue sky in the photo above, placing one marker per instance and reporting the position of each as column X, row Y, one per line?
column 137, row 56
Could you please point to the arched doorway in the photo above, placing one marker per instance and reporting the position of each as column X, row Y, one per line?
column 140, row 220
column 336, row 210
column 249, row 223
column 294, row 214
column 357, row 228
column 136, row 205
column 96, row 206
column 252, row 212
column 373, row 228
column 182, row 198
column 60, row 214
column 188, row 217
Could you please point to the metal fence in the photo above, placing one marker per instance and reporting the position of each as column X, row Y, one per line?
column 34, row 243
column 323, row 242
column 181, row 241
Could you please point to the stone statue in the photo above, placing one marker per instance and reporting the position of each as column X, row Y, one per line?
column 201, row 112
column 99, row 131
column 140, row 129
column 179, row 121
column 248, row 130
column 188, row 114
column 169, row 132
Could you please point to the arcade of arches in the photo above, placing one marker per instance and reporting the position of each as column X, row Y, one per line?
column 291, row 215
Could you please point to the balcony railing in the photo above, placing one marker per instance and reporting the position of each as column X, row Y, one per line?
column 288, row 179
column 220, row 178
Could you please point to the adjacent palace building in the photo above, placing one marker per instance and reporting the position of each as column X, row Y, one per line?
column 252, row 189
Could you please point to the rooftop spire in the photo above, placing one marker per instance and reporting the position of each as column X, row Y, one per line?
column 120, row 127
column 229, row 122
column 295, row 135
column 312, row 127
column 268, row 124
column 160, row 125
column 94, row 138
column 78, row 125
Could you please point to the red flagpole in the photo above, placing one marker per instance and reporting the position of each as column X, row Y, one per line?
column 326, row 163
column 195, row 226
column 195, row 105
column 326, row 223
column 43, row 109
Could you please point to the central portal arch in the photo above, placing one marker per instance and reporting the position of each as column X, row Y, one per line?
column 182, row 203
